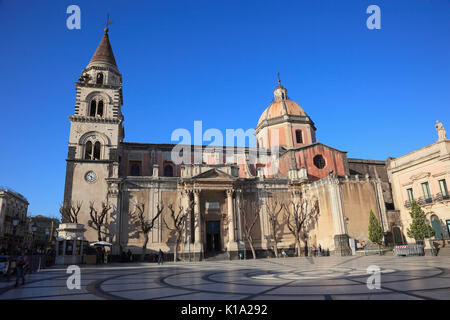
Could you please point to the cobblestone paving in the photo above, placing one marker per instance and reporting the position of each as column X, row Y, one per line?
column 269, row 279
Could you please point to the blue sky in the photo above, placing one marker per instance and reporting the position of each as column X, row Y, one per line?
column 372, row 93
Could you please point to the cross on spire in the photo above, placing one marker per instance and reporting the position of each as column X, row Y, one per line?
column 107, row 22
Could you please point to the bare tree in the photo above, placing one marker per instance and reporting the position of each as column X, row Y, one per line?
column 145, row 225
column 177, row 225
column 250, row 214
column 299, row 214
column 98, row 220
column 69, row 212
column 273, row 209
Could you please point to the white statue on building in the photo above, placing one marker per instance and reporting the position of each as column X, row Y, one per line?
column 440, row 130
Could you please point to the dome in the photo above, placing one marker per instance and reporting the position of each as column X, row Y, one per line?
column 282, row 108
column 284, row 123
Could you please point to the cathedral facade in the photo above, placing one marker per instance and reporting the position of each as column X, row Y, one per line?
column 213, row 190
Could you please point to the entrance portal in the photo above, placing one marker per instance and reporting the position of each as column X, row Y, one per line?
column 213, row 236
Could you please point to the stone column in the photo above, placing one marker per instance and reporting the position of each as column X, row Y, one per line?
column 342, row 246
column 381, row 205
column 240, row 238
column 238, row 214
column 185, row 204
column 232, row 244
column 230, row 216
column 74, row 247
column 198, row 244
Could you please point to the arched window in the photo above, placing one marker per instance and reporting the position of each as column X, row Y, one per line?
column 93, row 110
column 97, row 151
column 88, row 150
column 298, row 136
column 99, row 78
column 436, row 225
column 135, row 170
column 168, row 170
column 100, row 108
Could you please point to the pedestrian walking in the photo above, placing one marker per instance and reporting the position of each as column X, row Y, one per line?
column 320, row 250
column 20, row 269
column 129, row 255
column 160, row 257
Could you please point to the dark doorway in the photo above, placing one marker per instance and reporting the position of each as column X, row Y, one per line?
column 397, row 235
column 213, row 236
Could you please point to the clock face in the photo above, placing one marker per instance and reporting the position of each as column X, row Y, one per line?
column 90, row 176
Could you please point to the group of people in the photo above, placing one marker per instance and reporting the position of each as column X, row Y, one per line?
column 20, row 265
column 128, row 256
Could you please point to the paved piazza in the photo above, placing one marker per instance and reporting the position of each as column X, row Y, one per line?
column 269, row 279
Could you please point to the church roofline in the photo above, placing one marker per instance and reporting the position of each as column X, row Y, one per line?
column 312, row 145
column 172, row 145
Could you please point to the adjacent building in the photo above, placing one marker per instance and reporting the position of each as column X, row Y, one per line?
column 14, row 229
column 45, row 230
column 423, row 175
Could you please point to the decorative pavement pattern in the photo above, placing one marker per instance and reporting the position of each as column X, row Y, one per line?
column 321, row 278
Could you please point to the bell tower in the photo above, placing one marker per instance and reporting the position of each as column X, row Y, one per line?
column 96, row 133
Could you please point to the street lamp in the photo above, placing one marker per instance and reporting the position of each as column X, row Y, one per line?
column 15, row 222
column 33, row 229
column 47, row 232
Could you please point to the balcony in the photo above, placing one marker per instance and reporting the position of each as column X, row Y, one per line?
column 439, row 197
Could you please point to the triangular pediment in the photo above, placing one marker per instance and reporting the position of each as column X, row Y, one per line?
column 214, row 174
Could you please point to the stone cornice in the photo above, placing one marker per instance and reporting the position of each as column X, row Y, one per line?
column 284, row 119
column 103, row 69
column 76, row 118
column 100, row 86
column 90, row 161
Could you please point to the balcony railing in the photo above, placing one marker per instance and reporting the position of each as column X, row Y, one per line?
column 440, row 197
column 422, row 201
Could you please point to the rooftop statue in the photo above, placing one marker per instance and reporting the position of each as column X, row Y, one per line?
column 440, row 130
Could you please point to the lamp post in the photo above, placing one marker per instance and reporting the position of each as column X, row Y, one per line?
column 47, row 232
column 33, row 229
column 15, row 222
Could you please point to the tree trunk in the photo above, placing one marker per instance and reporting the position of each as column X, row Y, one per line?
column 299, row 248
column 99, row 234
column 175, row 251
column 144, row 247
column 275, row 248
column 250, row 242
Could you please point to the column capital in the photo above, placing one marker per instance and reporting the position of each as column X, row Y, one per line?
column 229, row 192
column 186, row 191
column 296, row 193
column 196, row 191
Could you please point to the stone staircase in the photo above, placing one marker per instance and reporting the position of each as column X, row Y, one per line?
column 444, row 252
column 217, row 256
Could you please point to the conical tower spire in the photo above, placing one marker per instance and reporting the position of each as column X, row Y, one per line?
column 104, row 53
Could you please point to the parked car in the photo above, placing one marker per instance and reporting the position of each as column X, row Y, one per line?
column 4, row 264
